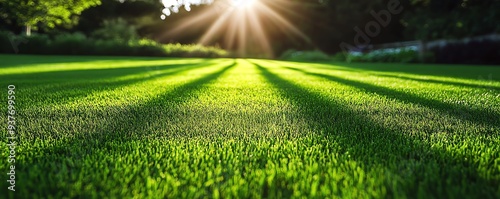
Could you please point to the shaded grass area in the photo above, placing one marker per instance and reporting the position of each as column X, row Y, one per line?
column 460, row 84
column 25, row 60
column 365, row 139
column 219, row 128
column 67, row 86
column 472, row 72
column 483, row 116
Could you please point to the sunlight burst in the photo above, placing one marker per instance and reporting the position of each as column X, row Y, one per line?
column 243, row 4
column 242, row 25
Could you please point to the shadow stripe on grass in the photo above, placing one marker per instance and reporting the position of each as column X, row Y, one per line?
column 98, row 73
column 407, row 75
column 124, row 125
column 435, row 81
column 433, row 170
column 476, row 116
column 97, row 65
column 70, row 92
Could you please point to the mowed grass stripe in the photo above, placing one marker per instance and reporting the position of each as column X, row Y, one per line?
column 97, row 143
column 487, row 117
column 249, row 129
column 25, row 65
column 369, row 139
column 61, row 154
column 242, row 104
column 90, row 84
column 408, row 117
column 468, row 103
column 429, row 85
column 347, row 136
column 101, row 109
column 473, row 74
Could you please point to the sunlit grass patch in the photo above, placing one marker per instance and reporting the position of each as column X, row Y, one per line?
column 220, row 128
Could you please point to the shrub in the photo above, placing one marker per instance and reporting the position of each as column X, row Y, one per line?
column 79, row 44
column 71, row 44
column 110, row 47
column 5, row 42
column 116, row 30
column 146, row 47
column 340, row 56
column 400, row 55
column 178, row 50
column 354, row 57
column 35, row 44
column 429, row 57
column 473, row 52
column 293, row 55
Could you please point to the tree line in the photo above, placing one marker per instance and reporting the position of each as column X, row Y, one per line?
column 327, row 23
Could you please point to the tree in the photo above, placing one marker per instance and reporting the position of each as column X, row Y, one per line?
column 335, row 21
column 451, row 19
column 117, row 30
column 133, row 12
column 47, row 13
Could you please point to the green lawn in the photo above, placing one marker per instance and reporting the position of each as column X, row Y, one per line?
column 117, row 127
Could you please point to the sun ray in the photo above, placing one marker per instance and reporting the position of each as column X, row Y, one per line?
column 260, row 33
column 216, row 27
column 243, row 4
column 232, row 33
column 240, row 27
column 280, row 21
column 242, row 45
column 189, row 22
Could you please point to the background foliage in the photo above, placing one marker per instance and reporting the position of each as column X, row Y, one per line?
column 79, row 44
column 326, row 22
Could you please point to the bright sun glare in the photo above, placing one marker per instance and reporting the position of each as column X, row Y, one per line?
column 239, row 25
column 242, row 3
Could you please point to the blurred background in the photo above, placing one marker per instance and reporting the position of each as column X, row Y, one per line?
column 431, row 31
